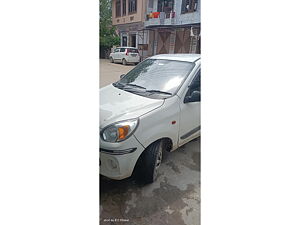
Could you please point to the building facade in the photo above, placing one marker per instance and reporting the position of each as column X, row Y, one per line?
column 129, row 17
column 174, row 26
column 158, row 26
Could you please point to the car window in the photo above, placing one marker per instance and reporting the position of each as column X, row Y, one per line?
column 133, row 50
column 117, row 50
column 159, row 74
column 122, row 50
column 195, row 84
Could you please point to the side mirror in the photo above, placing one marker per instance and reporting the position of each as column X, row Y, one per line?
column 194, row 97
column 122, row 76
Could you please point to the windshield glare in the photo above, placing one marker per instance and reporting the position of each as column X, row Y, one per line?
column 159, row 74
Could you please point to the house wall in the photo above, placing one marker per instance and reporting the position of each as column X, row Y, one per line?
column 139, row 16
column 186, row 18
column 180, row 19
column 174, row 37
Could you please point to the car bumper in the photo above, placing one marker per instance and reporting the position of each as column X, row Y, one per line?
column 117, row 160
column 133, row 59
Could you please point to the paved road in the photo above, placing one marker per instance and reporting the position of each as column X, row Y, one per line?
column 174, row 199
column 110, row 72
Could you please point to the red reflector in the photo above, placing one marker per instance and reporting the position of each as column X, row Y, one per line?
column 173, row 122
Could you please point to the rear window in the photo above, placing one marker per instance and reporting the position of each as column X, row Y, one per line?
column 132, row 50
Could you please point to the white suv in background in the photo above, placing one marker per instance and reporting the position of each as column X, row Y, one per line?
column 125, row 55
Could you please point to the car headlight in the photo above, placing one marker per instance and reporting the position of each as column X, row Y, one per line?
column 119, row 131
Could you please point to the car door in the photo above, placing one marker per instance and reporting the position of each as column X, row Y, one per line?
column 122, row 54
column 116, row 55
column 190, row 111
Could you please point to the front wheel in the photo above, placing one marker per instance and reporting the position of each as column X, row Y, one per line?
column 124, row 62
column 152, row 159
column 111, row 59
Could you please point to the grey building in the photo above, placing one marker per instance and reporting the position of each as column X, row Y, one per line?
column 173, row 25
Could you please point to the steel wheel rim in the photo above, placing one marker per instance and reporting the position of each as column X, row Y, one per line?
column 157, row 163
column 158, row 160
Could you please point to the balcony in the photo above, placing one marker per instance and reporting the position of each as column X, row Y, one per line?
column 160, row 19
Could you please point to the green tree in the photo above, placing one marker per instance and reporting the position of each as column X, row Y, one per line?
column 108, row 35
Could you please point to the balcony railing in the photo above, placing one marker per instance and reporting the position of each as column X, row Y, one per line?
column 160, row 18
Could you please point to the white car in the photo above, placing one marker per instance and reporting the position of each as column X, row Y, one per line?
column 125, row 55
column 154, row 107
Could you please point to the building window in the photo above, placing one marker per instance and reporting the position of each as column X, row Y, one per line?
column 132, row 6
column 118, row 8
column 150, row 5
column 189, row 6
column 166, row 6
column 124, row 8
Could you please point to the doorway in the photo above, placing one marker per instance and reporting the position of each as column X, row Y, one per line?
column 163, row 42
column 133, row 40
column 124, row 41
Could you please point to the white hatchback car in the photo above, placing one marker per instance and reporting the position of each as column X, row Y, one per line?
column 154, row 107
column 125, row 55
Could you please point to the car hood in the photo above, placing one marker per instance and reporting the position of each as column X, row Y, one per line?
column 117, row 105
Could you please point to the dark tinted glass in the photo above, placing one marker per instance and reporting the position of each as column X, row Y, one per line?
column 133, row 50
column 195, row 85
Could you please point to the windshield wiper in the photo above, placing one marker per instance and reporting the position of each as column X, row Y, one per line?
column 158, row 92
column 131, row 86
column 134, row 85
column 118, row 84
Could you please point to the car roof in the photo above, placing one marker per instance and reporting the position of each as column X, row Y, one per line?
column 178, row 57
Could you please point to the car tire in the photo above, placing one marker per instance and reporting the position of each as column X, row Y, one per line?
column 151, row 161
column 124, row 62
column 111, row 59
column 136, row 63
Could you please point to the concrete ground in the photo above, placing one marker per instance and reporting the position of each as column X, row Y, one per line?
column 110, row 72
column 174, row 199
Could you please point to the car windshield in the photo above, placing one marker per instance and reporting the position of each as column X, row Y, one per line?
column 155, row 78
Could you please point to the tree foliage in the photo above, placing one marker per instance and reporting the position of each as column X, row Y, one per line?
column 108, row 35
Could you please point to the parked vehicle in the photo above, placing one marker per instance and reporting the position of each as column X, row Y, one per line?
column 125, row 55
column 154, row 107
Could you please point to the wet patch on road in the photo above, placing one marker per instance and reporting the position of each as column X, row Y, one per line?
column 173, row 166
column 196, row 162
column 174, row 199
